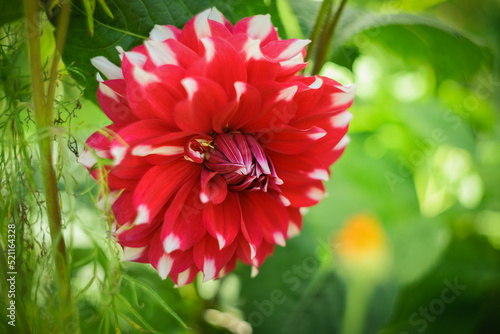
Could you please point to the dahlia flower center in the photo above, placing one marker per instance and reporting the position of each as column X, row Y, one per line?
column 237, row 157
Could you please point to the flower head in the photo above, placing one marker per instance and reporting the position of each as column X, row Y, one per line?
column 362, row 248
column 216, row 143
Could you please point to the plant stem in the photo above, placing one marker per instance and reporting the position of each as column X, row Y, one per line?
column 359, row 292
column 326, row 39
column 320, row 25
column 43, row 117
column 61, row 32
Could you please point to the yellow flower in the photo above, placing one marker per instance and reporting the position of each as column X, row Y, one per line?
column 361, row 247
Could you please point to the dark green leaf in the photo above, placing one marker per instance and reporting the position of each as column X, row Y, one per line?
column 415, row 38
column 10, row 11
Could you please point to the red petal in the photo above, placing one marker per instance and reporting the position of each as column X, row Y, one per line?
column 209, row 258
column 136, row 254
column 213, row 187
column 289, row 140
column 263, row 252
column 131, row 235
column 331, row 146
column 257, row 27
column 112, row 100
column 219, row 56
column 131, row 167
column 304, row 196
column 140, row 131
column 249, row 105
column 223, row 220
column 228, row 267
column 183, row 224
column 116, row 183
column 170, row 52
column 251, row 226
column 172, row 263
column 158, row 185
column 162, row 149
column 295, row 224
column 285, row 49
column 202, row 110
column 208, row 23
column 185, row 277
column 259, row 68
column 273, row 216
column 154, row 94
column 161, row 33
column 278, row 107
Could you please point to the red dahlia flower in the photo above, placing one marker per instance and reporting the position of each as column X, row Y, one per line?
column 216, row 143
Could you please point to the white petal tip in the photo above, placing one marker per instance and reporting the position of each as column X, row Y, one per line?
column 165, row 266
column 142, row 215
column 204, row 198
column 285, row 201
column 132, row 253
column 293, row 230
column 221, row 240
column 209, row 270
column 319, row 174
column 254, row 272
column 279, row 238
column 171, row 243
column 342, row 143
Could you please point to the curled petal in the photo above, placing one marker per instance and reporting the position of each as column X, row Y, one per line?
column 213, row 187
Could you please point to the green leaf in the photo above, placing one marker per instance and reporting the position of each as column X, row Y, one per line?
column 126, row 305
column 157, row 298
column 127, row 23
column 10, row 11
column 415, row 38
column 418, row 245
column 106, row 8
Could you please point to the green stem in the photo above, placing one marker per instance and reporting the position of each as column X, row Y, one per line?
column 320, row 25
column 326, row 39
column 61, row 32
column 43, row 117
column 359, row 292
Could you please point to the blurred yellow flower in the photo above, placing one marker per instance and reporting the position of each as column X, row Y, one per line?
column 361, row 246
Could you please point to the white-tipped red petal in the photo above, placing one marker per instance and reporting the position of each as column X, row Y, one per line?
column 223, row 220
column 258, row 27
column 284, row 50
column 209, row 258
column 185, row 277
column 161, row 33
column 106, row 67
column 183, row 221
column 160, row 183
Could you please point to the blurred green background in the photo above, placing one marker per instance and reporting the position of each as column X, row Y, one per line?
column 423, row 163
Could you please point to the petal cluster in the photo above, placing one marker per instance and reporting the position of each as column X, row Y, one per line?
column 216, row 143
